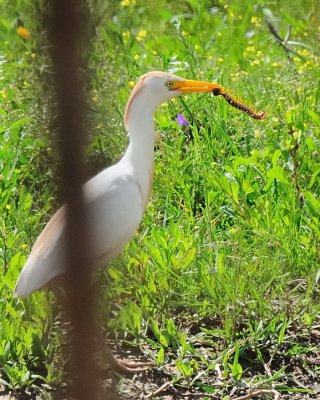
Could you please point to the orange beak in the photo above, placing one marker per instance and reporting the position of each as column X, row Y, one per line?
column 189, row 86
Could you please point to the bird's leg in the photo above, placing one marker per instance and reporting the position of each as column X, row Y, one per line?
column 121, row 366
column 125, row 367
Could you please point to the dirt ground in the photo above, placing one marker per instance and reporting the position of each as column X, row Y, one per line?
column 166, row 383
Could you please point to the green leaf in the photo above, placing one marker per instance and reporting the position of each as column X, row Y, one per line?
column 289, row 117
column 313, row 177
column 277, row 172
column 313, row 203
column 315, row 117
column 19, row 123
column 282, row 331
column 236, row 369
column 160, row 356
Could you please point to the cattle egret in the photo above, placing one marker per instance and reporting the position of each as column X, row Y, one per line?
column 117, row 197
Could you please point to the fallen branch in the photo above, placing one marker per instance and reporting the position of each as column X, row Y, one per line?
column 251, row 395
column 159, row 390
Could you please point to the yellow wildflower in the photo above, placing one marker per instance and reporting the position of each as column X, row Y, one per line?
column 131, row 84
column 254, row 63
column 257, row 134
column 3, row 94
column 141, row 35
column 184, row 33
column 23, row 32
column 125, row 36
column 256, row 21
column 304, row 52
column 127, row 3
column 136, row 57
column 250, row 49
column 235, row 76
column 24, row 246
column 8, row 207
column 220, row 60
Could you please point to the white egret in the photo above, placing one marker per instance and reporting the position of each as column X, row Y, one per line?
column 117, row 197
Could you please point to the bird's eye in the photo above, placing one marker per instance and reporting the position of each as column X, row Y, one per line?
column 169, row 84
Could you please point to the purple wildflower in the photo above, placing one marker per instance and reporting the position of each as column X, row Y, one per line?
column 181, row 120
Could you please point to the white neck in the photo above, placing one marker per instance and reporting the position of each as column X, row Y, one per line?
column 140, row 152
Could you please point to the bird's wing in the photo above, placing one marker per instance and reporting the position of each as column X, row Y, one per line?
column 114, row 212
column 114, row 215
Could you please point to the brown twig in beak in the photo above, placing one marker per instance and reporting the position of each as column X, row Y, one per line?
column 237, row 104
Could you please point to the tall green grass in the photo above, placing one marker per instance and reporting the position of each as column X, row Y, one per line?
column 227, row 256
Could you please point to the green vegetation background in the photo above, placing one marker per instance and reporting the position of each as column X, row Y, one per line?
column 228, row 251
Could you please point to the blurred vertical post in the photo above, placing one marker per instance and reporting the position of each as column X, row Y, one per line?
column 69, row 41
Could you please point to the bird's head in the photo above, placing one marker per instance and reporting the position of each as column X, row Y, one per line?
column 155, row 88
